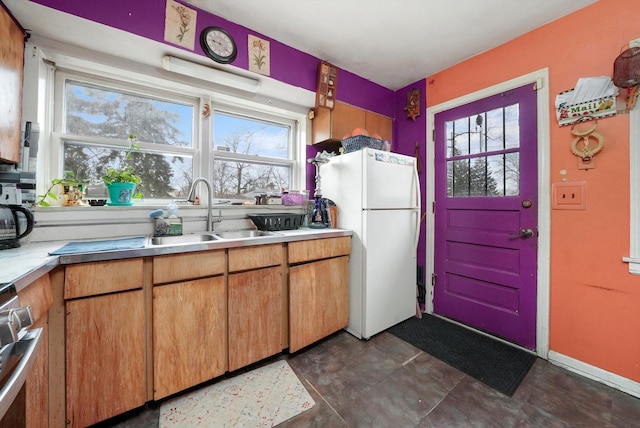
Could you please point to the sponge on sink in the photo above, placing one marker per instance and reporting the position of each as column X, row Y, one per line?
column 156, row 214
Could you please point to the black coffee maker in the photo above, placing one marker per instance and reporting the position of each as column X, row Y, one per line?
column 10, row 232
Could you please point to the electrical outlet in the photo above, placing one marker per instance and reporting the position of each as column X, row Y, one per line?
column 635, row 43
column 569, row 195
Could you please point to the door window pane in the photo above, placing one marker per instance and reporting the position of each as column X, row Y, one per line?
column 483, row 154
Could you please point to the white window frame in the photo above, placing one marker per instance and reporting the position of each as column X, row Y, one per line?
column 291, row 123
column 202, row 151
column 634, row 192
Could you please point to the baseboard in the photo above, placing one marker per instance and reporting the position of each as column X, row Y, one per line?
column 610, row 379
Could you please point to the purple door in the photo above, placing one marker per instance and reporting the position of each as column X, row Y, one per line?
column 486, row 215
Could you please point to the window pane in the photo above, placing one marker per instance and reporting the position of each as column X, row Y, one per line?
column 460, row 175
column 482, row 139
column 163, row 176
column 243, row 179
column 495, row 131
column 104, row 112
column 478, row 177
column 460, row 137
column 512, row 126
column 495, row 167
column 512, row 174
column 250, row 136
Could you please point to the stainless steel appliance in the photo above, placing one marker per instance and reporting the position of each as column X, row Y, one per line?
column 10, row 230
column 19, row 347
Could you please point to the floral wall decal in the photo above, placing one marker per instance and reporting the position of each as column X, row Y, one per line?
column 179, row 25
column 259, row 55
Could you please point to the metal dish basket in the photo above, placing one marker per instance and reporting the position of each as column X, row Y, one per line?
column 359, row 142
column 280, row 221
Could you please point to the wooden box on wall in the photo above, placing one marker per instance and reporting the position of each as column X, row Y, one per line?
column 11, row 75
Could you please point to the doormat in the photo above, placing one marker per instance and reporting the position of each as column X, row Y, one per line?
column 501, row 366
column 263, row 397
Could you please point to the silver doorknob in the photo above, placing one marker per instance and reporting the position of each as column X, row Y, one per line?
column 523, row 233
column 526, row 233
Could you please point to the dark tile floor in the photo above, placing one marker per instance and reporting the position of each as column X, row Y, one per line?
column 385, row 382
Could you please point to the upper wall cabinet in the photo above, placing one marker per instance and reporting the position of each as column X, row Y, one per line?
column 11, row 69
column 332, row 125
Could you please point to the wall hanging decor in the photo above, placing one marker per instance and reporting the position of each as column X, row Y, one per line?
column 327, row 83
column 259, row 55
column 413, row 104
column 626, row 75
column 583, row 146
column 179, row 25
column 593, row 97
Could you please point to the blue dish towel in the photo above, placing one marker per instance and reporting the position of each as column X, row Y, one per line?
column 94, row 246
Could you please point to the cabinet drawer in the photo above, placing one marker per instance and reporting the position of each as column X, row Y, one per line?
column 182, row 267
column 89, row 279
column 316, row 249
column 255, row 257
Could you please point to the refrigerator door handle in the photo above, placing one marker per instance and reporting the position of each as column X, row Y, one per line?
column 417, row 239
column 418, row 205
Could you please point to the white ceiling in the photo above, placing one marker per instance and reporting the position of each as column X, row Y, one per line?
column 392, row 42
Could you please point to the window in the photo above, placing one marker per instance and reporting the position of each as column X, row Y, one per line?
column 252, row 156
column 483, row 154
column 247, row 149
column 97, row 120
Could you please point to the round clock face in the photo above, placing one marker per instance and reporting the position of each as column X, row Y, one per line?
column 218, row 44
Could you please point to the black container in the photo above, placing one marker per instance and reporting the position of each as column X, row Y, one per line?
column 280, row 221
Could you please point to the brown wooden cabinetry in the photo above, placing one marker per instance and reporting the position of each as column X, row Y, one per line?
column 128, row 331
column 333, row 125
column 104, row 340
column 255, row 303
column 189, row 320
column 39, row 296
column 12, row 38
column 318, row 289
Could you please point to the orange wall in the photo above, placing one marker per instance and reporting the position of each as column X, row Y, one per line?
column 594, row 301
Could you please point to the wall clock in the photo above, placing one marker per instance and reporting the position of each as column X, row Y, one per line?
column 218, row 45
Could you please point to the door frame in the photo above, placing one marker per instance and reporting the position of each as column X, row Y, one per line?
column 541, row 77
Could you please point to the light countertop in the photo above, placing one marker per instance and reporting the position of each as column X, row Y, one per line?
column 21, row 266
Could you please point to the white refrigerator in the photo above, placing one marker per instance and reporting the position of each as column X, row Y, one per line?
column 378, row 197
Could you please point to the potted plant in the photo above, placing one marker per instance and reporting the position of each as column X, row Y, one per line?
column 121, row 181
column 71, row 189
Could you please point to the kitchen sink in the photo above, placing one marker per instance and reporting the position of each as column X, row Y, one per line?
column 240, row 234
column 182, row 239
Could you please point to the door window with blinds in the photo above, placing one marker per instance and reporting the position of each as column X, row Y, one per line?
column 483, row 154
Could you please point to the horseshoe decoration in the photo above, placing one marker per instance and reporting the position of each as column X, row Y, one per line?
column 581, row 146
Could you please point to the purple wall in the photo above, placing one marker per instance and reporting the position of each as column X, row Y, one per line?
column 146, row 18
column 406, row 133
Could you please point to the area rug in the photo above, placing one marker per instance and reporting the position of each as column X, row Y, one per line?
column 263, row 397
column 501, row 366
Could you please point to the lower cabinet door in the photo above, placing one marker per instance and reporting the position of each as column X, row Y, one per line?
column 189, row 334
column 255, row 316
column 318, row 300
column 105, row 356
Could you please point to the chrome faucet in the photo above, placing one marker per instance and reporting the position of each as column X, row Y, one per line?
column 192, row 198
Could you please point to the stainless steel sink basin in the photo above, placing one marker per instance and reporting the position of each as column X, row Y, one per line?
column 182, row 239
column 240, row 234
